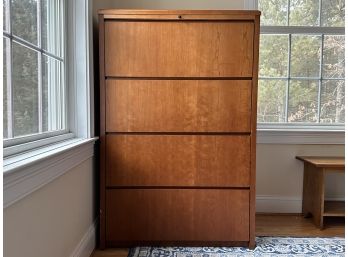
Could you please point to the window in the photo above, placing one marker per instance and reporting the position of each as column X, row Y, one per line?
column 34, row 93
column 301, row 75
column 47, row 155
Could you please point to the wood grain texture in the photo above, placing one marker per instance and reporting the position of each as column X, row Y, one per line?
column 253, row 122
column 313, row 193
column 181, row 17
column 331, row 162
column 313, row 204
column 233, row 13
column 178, row 160
column 334, row 209
column 296, row 226
column 119, row 252
column 178, row 49
column 177, row 215
column 102, row 155
column 178, row 105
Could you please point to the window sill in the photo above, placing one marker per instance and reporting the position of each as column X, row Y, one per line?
column 29, row 171
column 300, row 137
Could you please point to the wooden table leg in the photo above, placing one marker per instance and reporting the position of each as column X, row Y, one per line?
column 313, row 193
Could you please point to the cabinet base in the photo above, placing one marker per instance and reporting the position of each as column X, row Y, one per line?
column 128, row 244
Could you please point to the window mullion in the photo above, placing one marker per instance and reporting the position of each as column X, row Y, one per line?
column 302, row 30
column 288, row 15
column 288, row 81
column 31, row 46
column 7, row 16
column 40, row 91
column 320, row 6
column 10, row 116
column 9, row 90
column 320, row 76
column 321, row 62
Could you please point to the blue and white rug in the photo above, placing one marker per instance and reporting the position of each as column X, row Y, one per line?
column 265, row 247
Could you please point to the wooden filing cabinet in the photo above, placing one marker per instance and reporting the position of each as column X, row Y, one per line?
column 178, row 93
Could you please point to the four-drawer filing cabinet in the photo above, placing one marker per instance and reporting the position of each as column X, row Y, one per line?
column 178, row 101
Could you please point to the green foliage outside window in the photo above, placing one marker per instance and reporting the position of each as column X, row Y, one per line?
column 301, row 74
column 32, row 46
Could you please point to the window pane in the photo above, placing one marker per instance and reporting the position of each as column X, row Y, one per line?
column 5, row 50
column 24, row 19
column 332, row 13
column 332, row 101
column 333, row 57
column 305, row 56
column 5, row 7
column 304, row 13
column 52, row 39
column 53, row 94
column 303, row 101
column 271, row 100
column 274, row 55
column 25, row 90
column 273, row 12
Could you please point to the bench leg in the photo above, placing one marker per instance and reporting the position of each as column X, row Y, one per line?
column 313, row 193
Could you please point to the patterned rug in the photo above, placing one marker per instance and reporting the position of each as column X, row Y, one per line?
column 265, row 247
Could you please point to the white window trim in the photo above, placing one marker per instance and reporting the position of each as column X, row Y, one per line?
column 22, row 176
column 28, row 171
column 250, row 4
column 15, row 146
column 300, row 137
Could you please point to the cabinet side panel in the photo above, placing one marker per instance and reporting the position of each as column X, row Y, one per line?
column 102, row 133
column 253, row 123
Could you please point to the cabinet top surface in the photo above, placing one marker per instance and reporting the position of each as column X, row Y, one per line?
column 179, row 12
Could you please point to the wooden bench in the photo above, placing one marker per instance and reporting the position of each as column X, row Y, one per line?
column 313, row 203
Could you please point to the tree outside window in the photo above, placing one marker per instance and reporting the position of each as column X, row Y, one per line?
column 301, row 62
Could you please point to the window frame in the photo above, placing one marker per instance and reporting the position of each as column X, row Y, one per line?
column 26, row 172
column 299, row 30
column 16, row 145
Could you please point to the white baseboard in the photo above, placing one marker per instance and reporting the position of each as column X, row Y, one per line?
column 88, row 242
column 281, row 204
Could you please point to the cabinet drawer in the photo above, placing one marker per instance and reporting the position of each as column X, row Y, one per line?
column 177, row 160
column 178, row 105
column 178, row 49
column 135, row 215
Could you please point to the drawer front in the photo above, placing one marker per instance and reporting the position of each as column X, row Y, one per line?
column 177, row 215
column 178, row 105
column 179, row 49
column 177, row 160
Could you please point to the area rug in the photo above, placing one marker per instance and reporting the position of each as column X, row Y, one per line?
column 265, row 247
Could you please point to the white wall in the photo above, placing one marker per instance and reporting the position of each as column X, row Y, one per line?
column 279, row 176
column 177, row 4
column 52, row 220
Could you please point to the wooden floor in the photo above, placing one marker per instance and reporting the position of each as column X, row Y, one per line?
column 297, row 226
column 271, row 225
